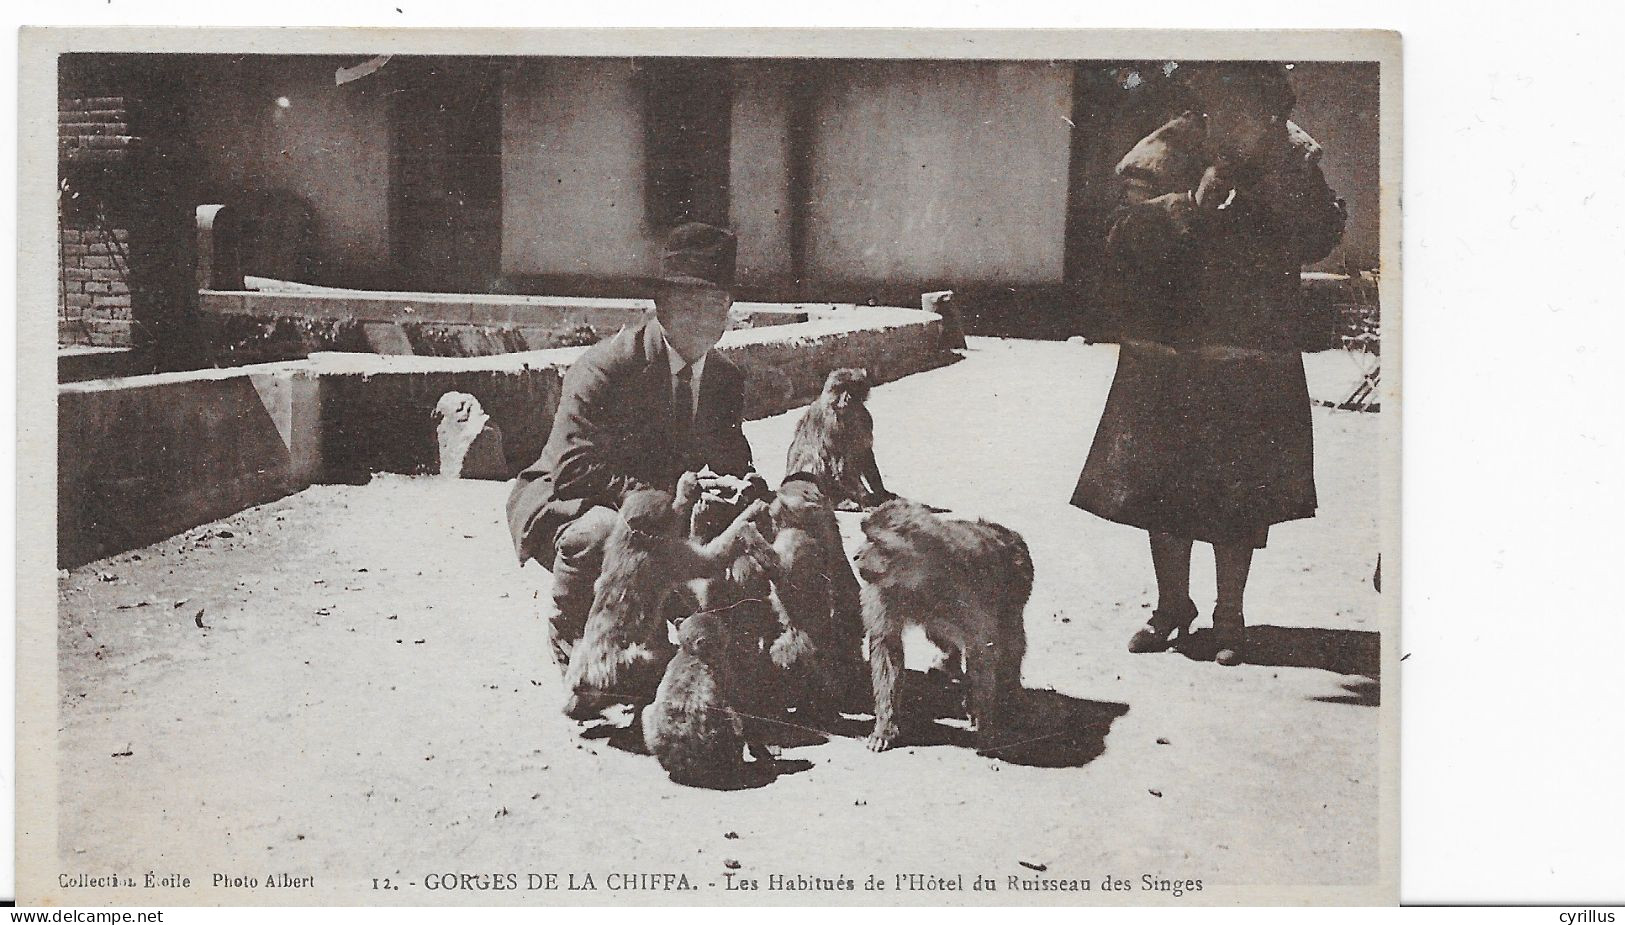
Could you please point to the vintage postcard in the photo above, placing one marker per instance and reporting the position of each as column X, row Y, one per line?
column 686, row 467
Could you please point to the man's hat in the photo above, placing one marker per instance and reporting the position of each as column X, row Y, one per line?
column 697, row 254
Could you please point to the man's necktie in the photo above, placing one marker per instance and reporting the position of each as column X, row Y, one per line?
column 682, row 404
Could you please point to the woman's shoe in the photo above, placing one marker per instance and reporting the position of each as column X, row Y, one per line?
column 1165, row 626
column 1230, row 636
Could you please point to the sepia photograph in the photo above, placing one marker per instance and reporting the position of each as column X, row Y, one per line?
column 709, row 467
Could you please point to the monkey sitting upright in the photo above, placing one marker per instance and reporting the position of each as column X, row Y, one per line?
column 966, row 583
column 742, row 590
column 647, row 555
column 819, row 646
column 694, row 727
column 835, row 442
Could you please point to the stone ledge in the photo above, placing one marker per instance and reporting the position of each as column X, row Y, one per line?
column 377, row 408
column 442, row 324
column 144, row 457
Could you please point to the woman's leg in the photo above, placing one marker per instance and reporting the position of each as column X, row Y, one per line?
column 1231, row 562
column 1171, row 560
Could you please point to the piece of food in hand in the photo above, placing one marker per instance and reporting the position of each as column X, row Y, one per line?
column 1214, row 191
column 726, row 487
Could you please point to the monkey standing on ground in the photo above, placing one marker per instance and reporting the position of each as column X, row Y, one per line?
column 819, row 646
column 694, row 727
column 835, row 442
column 624, row 647
column 966, row 583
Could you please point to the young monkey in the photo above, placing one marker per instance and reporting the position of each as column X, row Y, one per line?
column 695, row 727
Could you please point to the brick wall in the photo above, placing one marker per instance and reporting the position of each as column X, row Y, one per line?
column 94, row 298
column 93, row 147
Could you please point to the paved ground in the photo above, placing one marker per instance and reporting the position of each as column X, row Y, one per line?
column 351, row 683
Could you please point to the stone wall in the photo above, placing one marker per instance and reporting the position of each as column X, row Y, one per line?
column 146, row 457
column 291, row 321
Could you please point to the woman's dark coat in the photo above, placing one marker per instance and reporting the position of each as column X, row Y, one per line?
column 1206, row 433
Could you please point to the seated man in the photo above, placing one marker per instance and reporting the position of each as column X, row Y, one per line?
column 637, row 411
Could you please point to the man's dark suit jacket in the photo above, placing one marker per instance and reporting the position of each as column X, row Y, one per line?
column 613, row 433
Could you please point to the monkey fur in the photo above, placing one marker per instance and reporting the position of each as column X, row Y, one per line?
column 695, row 727
column 647, row 555
column 819, row 645
column 743, row 590
column 835, row 443
column 966, row 583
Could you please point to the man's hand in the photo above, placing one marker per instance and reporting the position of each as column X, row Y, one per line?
column 732, row 488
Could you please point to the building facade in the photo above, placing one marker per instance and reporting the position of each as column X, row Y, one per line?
column 845, row 179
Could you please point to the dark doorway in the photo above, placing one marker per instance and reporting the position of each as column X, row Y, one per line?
column 446, row 173
column 689, row 103
column 1114, row 105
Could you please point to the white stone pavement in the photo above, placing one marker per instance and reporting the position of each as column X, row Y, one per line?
column 351, row 683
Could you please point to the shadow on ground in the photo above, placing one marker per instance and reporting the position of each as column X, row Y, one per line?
column 628, row 737
column 1049, row 729
column 756, row 774
column 1345, row 652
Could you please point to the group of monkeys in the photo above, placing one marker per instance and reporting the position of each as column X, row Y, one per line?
column 778, row 620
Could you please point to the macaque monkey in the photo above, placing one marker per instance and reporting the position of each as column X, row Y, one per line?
column 819, row 645
column 696, row 727
column 647, row 556
column 835, row 443
column 966, row 583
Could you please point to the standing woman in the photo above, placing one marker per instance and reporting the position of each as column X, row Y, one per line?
column 1206, row 433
